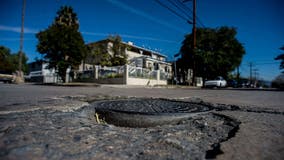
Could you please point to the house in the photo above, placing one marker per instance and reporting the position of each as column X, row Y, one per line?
column 39, row 72
column 138, row 56
column 143, row 66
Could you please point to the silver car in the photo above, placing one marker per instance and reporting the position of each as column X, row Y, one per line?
column 218, row 82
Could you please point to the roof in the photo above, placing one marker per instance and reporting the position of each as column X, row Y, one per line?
column 156, row 60
column 145, row 49
column 132, row 45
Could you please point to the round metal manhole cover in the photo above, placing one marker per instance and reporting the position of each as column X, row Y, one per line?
column 147, row 112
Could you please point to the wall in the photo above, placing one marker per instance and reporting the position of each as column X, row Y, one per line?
column 141, row 81
column 110, row 81
column 126, row 79
column 131, row 55
column 87, row 67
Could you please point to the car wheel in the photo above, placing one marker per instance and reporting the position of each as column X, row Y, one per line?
column 219, row 85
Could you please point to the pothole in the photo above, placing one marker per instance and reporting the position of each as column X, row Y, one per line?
column 147, row 112
column 162, row 129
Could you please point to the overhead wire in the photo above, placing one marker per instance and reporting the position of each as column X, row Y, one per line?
column 170, row 9
column 180, row 8
column 267, row 63
column 190, row 10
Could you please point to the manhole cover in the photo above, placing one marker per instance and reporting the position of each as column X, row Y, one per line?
column 147, row 112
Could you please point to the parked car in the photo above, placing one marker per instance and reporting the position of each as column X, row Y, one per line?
column 6, row 78
column 232, row 83
column 244, row 84
column 218, row 82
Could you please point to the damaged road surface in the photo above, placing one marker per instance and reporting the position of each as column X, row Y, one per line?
column 48, row 134
column 60, row 125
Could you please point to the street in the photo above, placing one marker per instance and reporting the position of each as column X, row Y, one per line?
column 261, row 115
column 29, row 96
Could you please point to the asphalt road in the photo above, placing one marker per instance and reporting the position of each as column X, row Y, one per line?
column 28, row 95
column 261, row 133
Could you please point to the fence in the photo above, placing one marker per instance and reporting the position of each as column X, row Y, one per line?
column 138, row 72
column 129, row 75
column 48, row 78
column 52, row 78
column 110, row 72
column 100, row 73
column 164, row 75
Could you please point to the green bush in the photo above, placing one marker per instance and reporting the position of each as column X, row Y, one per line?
column 278, row 82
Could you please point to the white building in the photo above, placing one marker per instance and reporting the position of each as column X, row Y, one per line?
column 139, row 56
column 143, row 67
column 38, row 72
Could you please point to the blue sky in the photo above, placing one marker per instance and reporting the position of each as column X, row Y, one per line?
column 146, row 23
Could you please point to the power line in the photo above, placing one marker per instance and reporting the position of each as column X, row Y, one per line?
column 267, row 63
column 134, row 10
column 178, row 7
column 188, row 9
column 173, row 11
column 243, row 69
column 198, row 19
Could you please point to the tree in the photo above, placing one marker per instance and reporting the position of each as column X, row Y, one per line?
column 217, row 52
column 278, row 82
column 118, row 49
column 61, row 43
column 100, row 54
column 9, row 62
column 281, row 57
column 4, row 59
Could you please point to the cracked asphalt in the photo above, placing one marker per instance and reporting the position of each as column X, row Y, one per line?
column 260, row 113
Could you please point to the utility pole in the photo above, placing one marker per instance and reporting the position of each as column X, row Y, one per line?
column 255, row 76
column 238, row 74
column 250, row 70
column 193, row 45
column 175, row 70
column 193, row 37
column 194, row 24
column 194, row 40
column 20, row 74
column 255, row 73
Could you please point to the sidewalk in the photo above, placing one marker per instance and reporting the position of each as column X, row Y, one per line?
column 83, row 84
